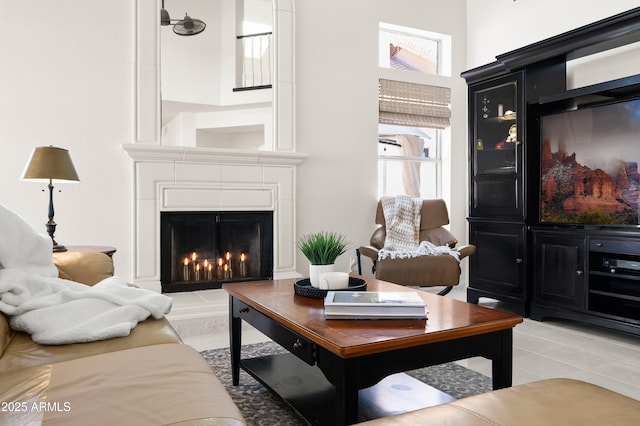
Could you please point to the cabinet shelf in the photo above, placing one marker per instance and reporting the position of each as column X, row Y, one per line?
column 496, row 150
column 619, row 307
column 616, row 275
column 616, row 286
column 490, row 161
column 615, row 295
column 502, row 118
column 619, row 89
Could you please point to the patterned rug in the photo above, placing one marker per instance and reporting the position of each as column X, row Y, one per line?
column 261, row 408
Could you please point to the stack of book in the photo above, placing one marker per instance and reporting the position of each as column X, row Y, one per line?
column 374, row 305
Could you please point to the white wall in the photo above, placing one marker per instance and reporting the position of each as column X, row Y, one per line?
column 337, row 110
column 499, row 26
column 66, row 79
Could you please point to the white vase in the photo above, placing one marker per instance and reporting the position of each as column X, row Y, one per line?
column 316, row 270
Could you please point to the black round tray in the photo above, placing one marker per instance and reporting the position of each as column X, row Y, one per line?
column 304, row 288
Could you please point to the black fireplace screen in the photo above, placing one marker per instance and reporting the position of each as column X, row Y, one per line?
column 202, row 250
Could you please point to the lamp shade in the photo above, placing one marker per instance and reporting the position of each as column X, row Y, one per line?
column 50, row 163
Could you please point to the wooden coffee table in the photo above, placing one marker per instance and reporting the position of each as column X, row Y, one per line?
column 329, row 361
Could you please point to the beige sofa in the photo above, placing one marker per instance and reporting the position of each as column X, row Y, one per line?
column 150, row 378
column 146, row 378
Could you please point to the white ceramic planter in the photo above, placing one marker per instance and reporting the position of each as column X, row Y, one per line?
column 315, row 270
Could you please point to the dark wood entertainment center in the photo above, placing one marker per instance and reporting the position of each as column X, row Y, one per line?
column 543, row 269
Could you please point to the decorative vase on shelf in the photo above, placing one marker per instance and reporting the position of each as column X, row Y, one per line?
column 321, row 249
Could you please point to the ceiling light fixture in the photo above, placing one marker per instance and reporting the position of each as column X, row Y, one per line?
column 184, row 27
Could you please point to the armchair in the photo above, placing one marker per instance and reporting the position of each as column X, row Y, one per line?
column 421, row 271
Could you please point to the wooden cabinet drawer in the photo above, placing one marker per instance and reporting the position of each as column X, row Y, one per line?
column 291, row 341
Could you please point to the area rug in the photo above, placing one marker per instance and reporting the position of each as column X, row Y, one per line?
column 261, row 408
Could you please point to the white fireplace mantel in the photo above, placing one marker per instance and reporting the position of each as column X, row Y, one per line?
column 142, row 152
column 170, row 178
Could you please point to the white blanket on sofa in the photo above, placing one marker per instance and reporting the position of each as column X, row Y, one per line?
column 56, row 311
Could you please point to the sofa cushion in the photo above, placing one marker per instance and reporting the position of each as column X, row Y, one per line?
column 153, row 385
column 546, row 402
column 440, row 270
column 23, row 352
column 20, row 389
column 83, row 267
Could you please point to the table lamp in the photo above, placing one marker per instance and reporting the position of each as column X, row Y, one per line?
column 49, row 163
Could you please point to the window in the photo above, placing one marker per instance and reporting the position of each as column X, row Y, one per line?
column 411, row 49
column 413, row 117
column 409, row 161
column 412, row 120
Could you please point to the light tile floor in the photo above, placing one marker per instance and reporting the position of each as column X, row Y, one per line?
column 552, row 348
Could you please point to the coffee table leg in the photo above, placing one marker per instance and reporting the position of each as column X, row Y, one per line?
column 235, row 341
column 346, row 393
column 502, row 368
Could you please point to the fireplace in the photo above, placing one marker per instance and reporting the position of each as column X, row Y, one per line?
column 171, row 179
column 203, row 250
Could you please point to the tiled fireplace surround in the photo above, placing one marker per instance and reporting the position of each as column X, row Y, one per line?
column 170, row 178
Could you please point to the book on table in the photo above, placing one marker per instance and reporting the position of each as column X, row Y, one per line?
column 374, row 305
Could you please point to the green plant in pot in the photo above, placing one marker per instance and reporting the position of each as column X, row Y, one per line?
column 322, row 249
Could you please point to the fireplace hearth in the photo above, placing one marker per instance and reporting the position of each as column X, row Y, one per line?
column 203, row 250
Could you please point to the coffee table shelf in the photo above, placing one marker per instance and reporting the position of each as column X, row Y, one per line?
column 307, row 392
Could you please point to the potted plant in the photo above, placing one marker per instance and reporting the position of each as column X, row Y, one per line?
column 322, row 249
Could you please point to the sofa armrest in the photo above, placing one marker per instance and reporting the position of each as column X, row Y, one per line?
column 83, row 267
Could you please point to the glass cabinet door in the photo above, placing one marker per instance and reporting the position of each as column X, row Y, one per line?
column 496, row 129
column 497, row 148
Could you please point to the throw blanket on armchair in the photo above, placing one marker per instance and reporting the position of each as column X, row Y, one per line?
column 56, row 311
column 402, row 220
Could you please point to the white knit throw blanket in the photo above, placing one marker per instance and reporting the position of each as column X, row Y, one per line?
column 402, row 219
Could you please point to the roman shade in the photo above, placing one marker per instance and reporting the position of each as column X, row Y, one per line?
column 410, row 104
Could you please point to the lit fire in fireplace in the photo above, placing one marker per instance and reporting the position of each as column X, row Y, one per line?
column 196, row 269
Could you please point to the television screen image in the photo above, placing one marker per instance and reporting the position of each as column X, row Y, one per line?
column 589, row 165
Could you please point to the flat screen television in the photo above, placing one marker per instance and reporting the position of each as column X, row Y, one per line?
column 589, row 165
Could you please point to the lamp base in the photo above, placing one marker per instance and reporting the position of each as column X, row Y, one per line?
column 51, row 229
column 58, row 248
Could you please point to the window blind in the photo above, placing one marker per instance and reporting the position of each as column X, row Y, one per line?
column 410, row 104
